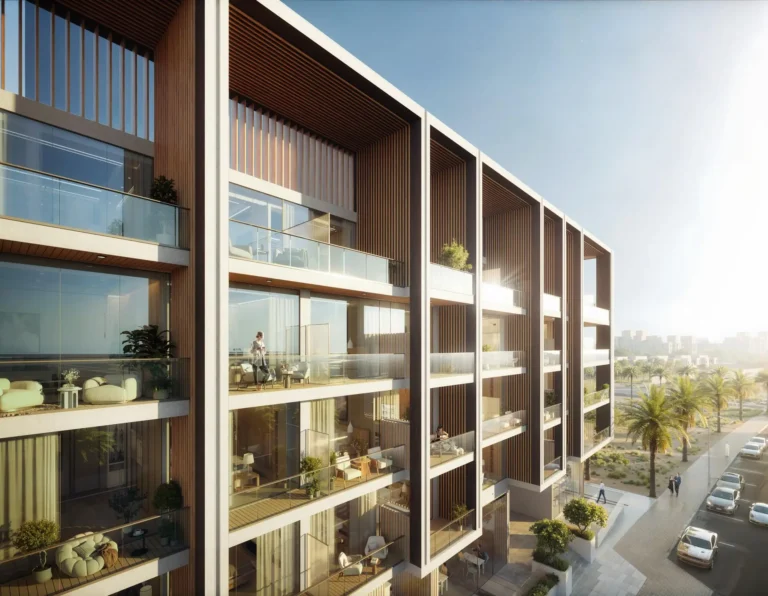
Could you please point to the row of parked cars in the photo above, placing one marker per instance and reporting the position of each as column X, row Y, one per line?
column 698, row 546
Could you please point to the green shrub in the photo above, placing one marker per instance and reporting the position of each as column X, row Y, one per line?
column 552, row 538
column 455, row 256
column 168, row 496
column 583, row 513
column 617, row 475
column 551, row 560
column 584, row 535
column 544, row 585
column 36, row 535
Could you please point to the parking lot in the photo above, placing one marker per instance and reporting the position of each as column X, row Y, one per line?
column 740, row 567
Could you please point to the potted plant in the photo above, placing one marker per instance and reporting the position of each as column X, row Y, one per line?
column 458, row 512
column 161, row 387
column 313, row 486
column 358, row 445
column 308, row 467
column 149, row 343
column 37, row 535
column 168, row 497
column 70, row 376
column 332, row 462
column 583, row 514
column 164, row 190
column 487, row 348
column 455, row 256
column 552, row 539
column 126, row 503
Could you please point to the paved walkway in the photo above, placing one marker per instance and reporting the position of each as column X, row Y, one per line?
column 649, row 542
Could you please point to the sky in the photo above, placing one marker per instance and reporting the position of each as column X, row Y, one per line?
column 646, row 122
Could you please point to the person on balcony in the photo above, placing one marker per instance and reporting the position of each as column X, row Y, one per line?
column 440, row 434
column 259, row 354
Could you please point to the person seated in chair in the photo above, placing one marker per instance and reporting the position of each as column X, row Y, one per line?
column 480, row 553
column 440, row 434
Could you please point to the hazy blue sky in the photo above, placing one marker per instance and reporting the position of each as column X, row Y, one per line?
column 645, row 122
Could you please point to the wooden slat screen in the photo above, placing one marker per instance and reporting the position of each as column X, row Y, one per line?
column 550, row 256
column 574, row 339
column 448, row 200
column 393, row 524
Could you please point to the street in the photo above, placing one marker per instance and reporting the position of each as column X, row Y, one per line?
column 739, row 566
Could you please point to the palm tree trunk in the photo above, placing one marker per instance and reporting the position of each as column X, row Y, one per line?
column 587, row 470
column 685, row 444
column 652, row 491
column 718, row 417
column 631, row 385
column 741, row 408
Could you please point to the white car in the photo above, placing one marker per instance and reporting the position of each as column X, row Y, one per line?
column 760, row 440
column 697, row 547
column 731, row 480
column 758, row 514
column 751, row 450
column 723, row 500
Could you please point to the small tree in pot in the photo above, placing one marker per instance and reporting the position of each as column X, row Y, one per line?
column 455, row 256
column 37, row 535
column 459, row 512
column 149, row 343
column 309, row 466
column 126, row 503
column 552, row 538
column 582, row 514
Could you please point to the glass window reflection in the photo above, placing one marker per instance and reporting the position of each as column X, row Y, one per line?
column 75, row 69
column 104, row 107
column 11, row 46
column 117, row 78
column 29, row 47
column 129, row 91
column 274, row 313
column 89, row 74
column 44, row 60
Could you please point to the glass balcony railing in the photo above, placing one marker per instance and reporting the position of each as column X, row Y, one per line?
column 592, row 357
column 551, row 303
column 454, row 363
column 291, row 371
column 552, row 467
column 592, row 438
column 136, row 543
column 495, row 294
column 446, row 533
column 505, row 422
column 594, row 313
column 590, row 399
column 359, row 570
column 259, row 501
column 442, row 450
column 553, row 413
column 40, row 384
column 501, row 360
column 247, row 241
column 47, row 199
column 551, row 358
column 451, row 280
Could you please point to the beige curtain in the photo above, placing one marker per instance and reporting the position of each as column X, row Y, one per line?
column 29, row 490
column 277, row 562
column 362, row 522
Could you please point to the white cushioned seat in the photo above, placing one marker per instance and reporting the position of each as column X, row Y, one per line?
column 111, row 389
column 81, row 556
column 350, row 564
column 344, row 466
column 18, row 395
column 381, row 462
column 374, row 544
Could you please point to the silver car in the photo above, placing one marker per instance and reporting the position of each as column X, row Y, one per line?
column 758, row 514
column 752, row 451
column 731, row 480
column 697, row 547
column 762, row 441
column 723, row 500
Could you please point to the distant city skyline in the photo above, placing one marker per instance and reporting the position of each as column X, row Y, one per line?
column 644, row 121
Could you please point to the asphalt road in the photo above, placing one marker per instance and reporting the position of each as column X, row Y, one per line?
column 740, row 568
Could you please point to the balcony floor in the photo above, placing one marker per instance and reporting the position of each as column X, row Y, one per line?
column 26, row 586
column 444, row 538
column 82, row 407
column 234, row 389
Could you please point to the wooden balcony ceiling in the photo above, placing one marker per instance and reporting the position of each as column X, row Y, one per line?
column 441, row 158
column 269, row 70
column 591, row 250
column 498, row 198
column 142, row 21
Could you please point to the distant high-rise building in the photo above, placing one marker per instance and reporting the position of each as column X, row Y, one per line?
column 688, row 344
column 640, row 335
column 674, row 343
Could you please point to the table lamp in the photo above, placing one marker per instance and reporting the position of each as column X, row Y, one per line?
column 248, row 459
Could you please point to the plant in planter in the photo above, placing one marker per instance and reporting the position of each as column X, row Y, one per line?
column 168, row 497
column 126, row 503
column 161, row 387
column 149, row 343
column 332, row 462
column 313, row 486
column 36, row 535
column 309, row 466
column 94, row 441
column 487, row 348
column 115, row 227
column 70, row 376
column 458, row 512
column 169, row 532
column 455, row 256
column 544, row 585
column 549, row 398
column 164, row 190
column 552, row 538
column 358, row 445
column 582, row 514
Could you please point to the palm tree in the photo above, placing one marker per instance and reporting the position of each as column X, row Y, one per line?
column 717, row 390
column 720, row 370
column 742, row 386
column 647, row 368
column 691, row 406
column 654, row 421
column 687, row 370
column 762, row 378
column 662, row 370
column 631, row 372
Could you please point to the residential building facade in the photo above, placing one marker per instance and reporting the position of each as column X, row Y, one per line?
column 332, row 356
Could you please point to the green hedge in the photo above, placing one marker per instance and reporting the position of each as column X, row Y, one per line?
column 554, row 562
column 544, row 585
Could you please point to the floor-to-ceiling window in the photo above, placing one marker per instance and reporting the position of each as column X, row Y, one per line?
column 272, row 311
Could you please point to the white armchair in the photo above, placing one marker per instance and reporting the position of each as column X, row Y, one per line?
column 374, row 544
column 350, row 565
column 244, row 252
column 378, row 459
column 112, row 389
column 19, row 394
column 301, row 372
column 345, row 469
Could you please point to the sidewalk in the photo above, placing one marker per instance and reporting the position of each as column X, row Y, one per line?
column 648, row 543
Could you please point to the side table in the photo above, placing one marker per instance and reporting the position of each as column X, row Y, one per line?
column 68, row 397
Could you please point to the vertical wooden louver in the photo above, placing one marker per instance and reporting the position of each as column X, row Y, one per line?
column 448, row 199
column 574, row 379
column 550, row 256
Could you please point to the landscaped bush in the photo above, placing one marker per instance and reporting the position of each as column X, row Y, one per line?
column 552, row 538
column 582, row 514
column 550, row 561
column 544, row 585
column 618, row 475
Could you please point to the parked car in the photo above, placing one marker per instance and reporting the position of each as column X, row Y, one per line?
column 697, row 547
column 751, row 450
column 761, row 440
column 723, row 500
column 758, row 514
column 731, row 480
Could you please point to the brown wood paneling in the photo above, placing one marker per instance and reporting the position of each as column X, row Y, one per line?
column 267, row 69
column 407, row 584
column 550, row 256
column 506, row 248
column 393, row 524
column 174, row 158
column 448, row 199
column 382, row 189
column 394, row 433
column 574, row 338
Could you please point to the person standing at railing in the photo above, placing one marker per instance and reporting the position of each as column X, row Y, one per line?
column 259, row 354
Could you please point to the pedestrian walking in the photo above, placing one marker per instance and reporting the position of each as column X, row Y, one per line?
column 678, row 480
column 671, row 485
column 601, row 493
column 727, row 451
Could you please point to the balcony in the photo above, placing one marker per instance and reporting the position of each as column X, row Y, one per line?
column 51, row 200
column 453, row 368
column 594, row 314
column 552, row 467
column 499, row 364
column 445, row 450
column 291, row 371
column 254, row 243
column 507, row 422
column 593, row 438
column 552, row 306
column 596, row 399
column 553, row 413
column 38, row 386
column 501, row 299
column 256, row 502
column 597, row 357
column 163, row 536
column 451, row 284
column 360, row 570
column 551, row 359
column 444, row 533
